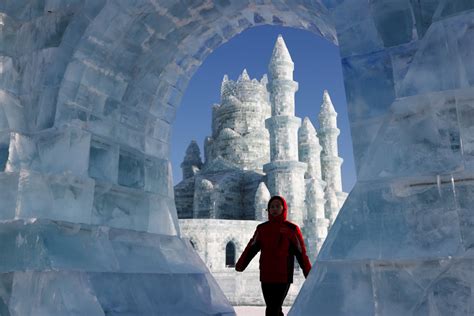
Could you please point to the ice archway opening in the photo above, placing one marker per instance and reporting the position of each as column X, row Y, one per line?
column 133, row 62
column 148, row 54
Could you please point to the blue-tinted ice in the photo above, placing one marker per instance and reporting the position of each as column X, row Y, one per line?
column 88, row 93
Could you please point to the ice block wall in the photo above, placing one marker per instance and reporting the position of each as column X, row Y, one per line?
column 88, row 93
column 403, row 242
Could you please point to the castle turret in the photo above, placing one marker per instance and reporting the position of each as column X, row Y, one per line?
column 262, row 196
column 244, row 76
column 281, row 86
column 238, row 133
column 208, row 148
column 330, row 160
column 203, row 204
column 332, row 206
column 309, row 149
column 316, row 223
column 192, row 160
column 315, row 227
column 328, row 133
column 285, row 173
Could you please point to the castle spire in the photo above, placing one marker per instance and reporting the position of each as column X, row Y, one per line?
column 308, row 127
column 283, row 129
column 280, row 71
column 309, row 149
column 192, row 160
column 244, row 76
column 330, row 160
column 280, row 52
column 225, row 80
column 327, row 108
column 328, row 127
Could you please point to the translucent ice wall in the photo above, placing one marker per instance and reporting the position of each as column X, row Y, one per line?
column 403, row 242
column 88, row 93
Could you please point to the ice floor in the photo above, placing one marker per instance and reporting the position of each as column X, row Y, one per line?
column 255, row 310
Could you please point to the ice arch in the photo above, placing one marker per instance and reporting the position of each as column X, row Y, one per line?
column 89, row 88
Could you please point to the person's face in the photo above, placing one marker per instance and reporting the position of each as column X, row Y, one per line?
column 275, row 208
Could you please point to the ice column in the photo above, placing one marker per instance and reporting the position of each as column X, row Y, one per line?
column 315, row 227
column 309, row 149
column 285, row 174
column 328, row 133
column 262, row 196
column 330, row 161
column 203, row 205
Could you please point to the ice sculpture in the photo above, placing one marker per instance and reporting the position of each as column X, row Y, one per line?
column 402, row 244
column 88, row 92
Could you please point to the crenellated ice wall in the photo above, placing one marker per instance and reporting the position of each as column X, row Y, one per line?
column 88, row 93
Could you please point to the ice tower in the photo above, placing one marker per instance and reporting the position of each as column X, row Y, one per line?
column 330, row 160
column 221, row 204
column 285, row 173
column 316, row 224
column 192, row 162
column 238, row 135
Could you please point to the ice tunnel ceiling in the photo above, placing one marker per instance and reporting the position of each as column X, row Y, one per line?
column 128, row 63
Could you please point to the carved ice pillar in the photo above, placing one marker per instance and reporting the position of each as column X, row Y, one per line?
column 285, row 174
column 203, row 204
column 328, row 134
column 316, row 224
column 315, row 227
column 262, row 196
column 330, row 160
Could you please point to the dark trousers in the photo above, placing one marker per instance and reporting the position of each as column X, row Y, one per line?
column 274, row 295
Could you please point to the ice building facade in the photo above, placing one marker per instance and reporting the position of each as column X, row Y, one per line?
column 259, row 148
column 76, row 72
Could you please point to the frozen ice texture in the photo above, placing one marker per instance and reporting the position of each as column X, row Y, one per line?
column 62, row 268
column 73, row 72
column 402, row 242
column 103, row 161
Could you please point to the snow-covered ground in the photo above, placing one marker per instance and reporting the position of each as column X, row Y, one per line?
column 255, row 310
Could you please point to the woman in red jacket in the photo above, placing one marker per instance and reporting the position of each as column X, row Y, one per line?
column 280, row 241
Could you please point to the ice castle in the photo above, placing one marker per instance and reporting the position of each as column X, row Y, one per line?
column 259, row 148
column 88, row 94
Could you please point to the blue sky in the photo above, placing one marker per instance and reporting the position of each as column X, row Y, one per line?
column 317, row 67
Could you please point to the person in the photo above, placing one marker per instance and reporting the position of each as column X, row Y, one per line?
column 279, row 241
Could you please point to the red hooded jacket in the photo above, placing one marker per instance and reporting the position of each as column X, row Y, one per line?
column 280, row 241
